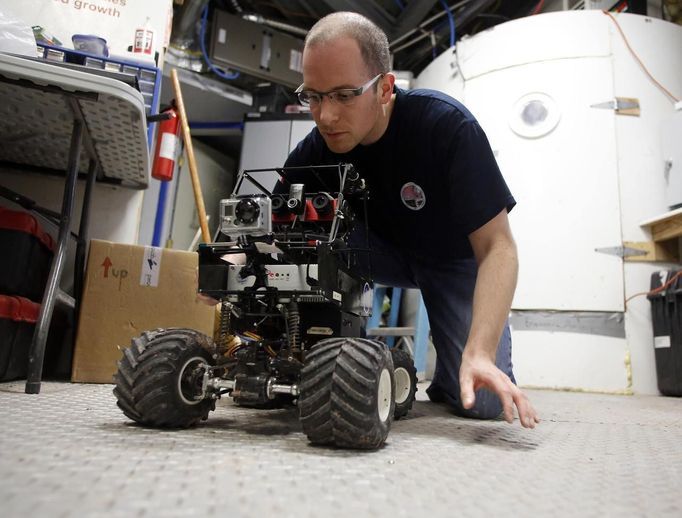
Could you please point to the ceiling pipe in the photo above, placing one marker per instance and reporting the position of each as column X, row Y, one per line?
column 465, row 16
column 426, row 22
column 184, row 33
column 285, row 27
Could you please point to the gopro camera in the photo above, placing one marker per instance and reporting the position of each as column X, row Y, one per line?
column 251, row 214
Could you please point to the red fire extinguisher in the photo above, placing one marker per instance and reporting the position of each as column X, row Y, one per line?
column 167, row 144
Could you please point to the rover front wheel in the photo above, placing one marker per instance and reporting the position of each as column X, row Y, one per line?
column 346, row 398
column 159, row 378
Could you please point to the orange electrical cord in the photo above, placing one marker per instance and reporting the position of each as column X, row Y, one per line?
column 657, row 290
column 659, row 85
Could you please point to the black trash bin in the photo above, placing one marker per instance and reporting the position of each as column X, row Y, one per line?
column 666, row 312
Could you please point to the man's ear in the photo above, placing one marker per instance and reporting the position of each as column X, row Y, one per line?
column 386, row 87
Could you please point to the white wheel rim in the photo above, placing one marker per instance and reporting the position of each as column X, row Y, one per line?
column 182, row 372
column 384, row 396
column 402, row 385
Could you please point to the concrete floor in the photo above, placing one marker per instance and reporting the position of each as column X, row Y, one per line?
column 70, row 452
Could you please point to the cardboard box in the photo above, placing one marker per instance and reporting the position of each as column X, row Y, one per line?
column 117, row 21
column 130, row 289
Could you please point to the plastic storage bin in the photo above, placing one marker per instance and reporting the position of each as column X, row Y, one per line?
column 147, row 76
column 26, row 255
column 666, row 312
column 18, row 318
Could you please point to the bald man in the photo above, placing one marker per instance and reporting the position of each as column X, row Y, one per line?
column 438, row 210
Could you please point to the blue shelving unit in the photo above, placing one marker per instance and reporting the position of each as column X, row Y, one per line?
column 147, row 77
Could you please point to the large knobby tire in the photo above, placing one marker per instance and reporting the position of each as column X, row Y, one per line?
column 160, row 375
column 405, row 381
column 346, row 397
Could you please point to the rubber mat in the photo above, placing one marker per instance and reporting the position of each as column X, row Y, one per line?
column 70, row 452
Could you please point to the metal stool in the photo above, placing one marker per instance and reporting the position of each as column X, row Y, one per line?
column 415, row 338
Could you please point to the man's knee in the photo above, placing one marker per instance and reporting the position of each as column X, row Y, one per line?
column 486, row 406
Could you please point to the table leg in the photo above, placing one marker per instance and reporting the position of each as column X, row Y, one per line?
column 82, row 242
column 37, row 350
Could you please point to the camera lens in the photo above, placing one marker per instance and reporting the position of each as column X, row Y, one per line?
column 278, row 204
column 247, row 211
column 322, row 204
column 296, row 202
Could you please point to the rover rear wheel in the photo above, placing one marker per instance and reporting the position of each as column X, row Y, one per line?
column 405, row 381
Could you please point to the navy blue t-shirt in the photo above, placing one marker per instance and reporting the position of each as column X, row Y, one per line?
column 432, row 176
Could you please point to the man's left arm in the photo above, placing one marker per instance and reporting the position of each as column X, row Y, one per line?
column 495, row 251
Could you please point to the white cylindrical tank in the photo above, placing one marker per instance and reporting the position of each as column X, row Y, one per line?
column 545, row 88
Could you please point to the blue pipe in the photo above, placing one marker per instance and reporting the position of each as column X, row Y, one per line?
column 451, row 21
column 202, row 44
column 160, row 213
column 216, row 125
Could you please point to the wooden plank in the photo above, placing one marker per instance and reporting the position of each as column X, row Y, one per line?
column 662, row 217
column 633, row 110
column 667, row 251
column 667, row 229
column 666, row 226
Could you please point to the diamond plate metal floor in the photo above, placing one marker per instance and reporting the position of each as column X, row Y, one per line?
column 71, row 452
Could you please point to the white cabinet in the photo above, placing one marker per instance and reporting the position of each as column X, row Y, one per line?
column 267, row 144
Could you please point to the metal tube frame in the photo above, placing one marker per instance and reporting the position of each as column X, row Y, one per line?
column 53, row 293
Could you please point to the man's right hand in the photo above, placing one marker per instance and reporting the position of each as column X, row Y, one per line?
column 479, row 371
column 205, row 299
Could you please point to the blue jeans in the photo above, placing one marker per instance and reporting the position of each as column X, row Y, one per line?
column 448, row 293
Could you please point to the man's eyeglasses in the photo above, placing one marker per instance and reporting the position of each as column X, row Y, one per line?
column 343, row 96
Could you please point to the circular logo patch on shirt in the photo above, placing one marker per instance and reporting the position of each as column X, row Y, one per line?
column 413, row 196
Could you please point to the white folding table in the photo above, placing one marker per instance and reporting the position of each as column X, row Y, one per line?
column 58, row 120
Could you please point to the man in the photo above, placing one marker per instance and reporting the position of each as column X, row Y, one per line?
column 438, row 207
